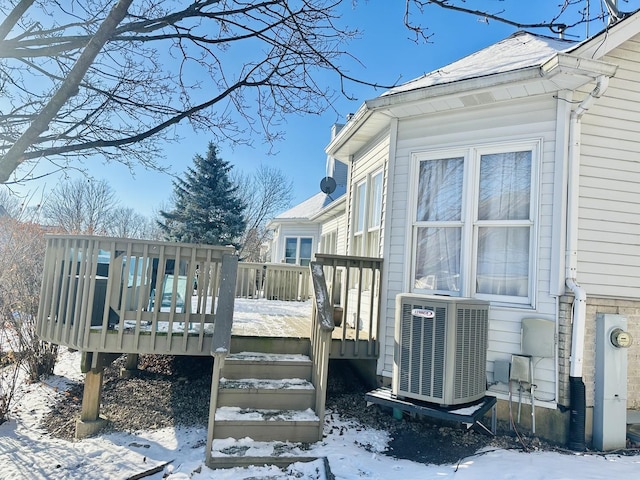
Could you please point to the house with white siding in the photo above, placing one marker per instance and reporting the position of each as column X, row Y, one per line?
column 512, row 177
column 314, row 225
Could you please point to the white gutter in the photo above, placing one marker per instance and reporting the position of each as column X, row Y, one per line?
column 580, row 303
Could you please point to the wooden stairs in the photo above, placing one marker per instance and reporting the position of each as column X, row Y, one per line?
column 266, row 399
column 267, row 407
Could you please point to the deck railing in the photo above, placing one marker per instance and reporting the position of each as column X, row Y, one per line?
column 273, row 281
column 322, row 328
column 115, row 295
column 353, row 289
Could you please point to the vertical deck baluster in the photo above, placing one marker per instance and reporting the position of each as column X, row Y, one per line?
column 73, row 294
column 174, row 297
column 55, row 299
column 124, row 297
column 43, row 313
column 356, row 322
column 158, row 294
column 191, row 272
column 145, row 280
column 109, row 292
column 64, row 293
column 343, row 344
column 83, row 292
column 203, row 289
column 90, row 288
column 372, row 312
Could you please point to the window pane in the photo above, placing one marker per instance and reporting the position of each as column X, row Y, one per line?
column 376, row 201
column 438, row 259
column 305, row 248
column 328, row 243
column 440, row 190
column 373, row 243
column 503, row 261
column 291, row 250
column 358, row 245
column 361, row 196
column 505, row 186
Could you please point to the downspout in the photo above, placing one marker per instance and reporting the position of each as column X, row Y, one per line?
column 576, row 384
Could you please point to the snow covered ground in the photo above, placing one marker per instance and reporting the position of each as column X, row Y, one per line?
column 352, row 452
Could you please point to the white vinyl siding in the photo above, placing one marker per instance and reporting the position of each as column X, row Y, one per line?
column 507, row 122
column 609, row 216
column 367, row 205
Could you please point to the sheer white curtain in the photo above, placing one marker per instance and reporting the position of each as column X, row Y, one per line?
column 438, row 225
column 503, row 228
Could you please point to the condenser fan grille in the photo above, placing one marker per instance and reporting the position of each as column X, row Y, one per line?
column 442, row 347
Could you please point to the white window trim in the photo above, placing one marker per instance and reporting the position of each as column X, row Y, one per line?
column 364, row 234
column 469, row 215
column 299, row 239
column 330, row 237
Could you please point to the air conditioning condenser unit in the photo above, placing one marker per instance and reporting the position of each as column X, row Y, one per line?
column 441, row 349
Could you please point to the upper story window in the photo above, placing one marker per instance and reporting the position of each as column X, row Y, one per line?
column 298, row 250
column 474, row 225
column 367, row 216
column 329, row 242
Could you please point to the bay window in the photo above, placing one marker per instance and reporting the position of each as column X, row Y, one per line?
column 473, row 227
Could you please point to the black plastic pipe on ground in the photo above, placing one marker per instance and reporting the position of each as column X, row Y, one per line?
column 577, row 414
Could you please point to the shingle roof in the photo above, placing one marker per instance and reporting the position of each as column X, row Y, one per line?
column 312, row 205
column 518, row 51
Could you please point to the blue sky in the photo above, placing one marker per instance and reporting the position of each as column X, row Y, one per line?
column 387, row 56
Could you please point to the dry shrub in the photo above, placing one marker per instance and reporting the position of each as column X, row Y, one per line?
column 22, row 247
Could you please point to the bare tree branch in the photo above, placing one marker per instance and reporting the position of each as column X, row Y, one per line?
column 11, row 19
column 15, row 155
column 113, row 78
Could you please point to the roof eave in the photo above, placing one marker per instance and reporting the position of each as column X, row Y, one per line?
column 575, row 65
column 560, row 63
column 609, row 38
column 370, row 107
column 328, row 210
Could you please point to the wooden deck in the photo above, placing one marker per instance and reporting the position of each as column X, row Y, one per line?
column 111, row 296
column 249, row 327
column 124, row 296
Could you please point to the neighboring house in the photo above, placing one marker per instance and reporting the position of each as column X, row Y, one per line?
column 509, row 176
column 315, row 225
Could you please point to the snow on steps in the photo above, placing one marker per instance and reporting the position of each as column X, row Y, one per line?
column 266, row 424
column 230, row 453
column 267, row 397
column 291, row 393
column 266, row 366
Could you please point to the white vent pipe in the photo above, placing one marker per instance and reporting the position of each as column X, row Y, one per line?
column 576, row 384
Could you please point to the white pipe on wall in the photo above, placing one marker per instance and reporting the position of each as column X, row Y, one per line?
column 579, row 306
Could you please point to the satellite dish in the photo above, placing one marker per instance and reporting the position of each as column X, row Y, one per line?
column 327, row 185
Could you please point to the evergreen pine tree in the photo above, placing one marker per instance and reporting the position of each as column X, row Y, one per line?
column 207, row 207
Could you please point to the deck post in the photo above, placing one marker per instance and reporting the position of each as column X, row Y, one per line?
column 130, row 366
column 90, row 421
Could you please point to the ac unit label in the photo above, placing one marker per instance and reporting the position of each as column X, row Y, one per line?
column 422, row 312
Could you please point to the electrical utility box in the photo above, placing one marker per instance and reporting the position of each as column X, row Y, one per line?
column 610, row 407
